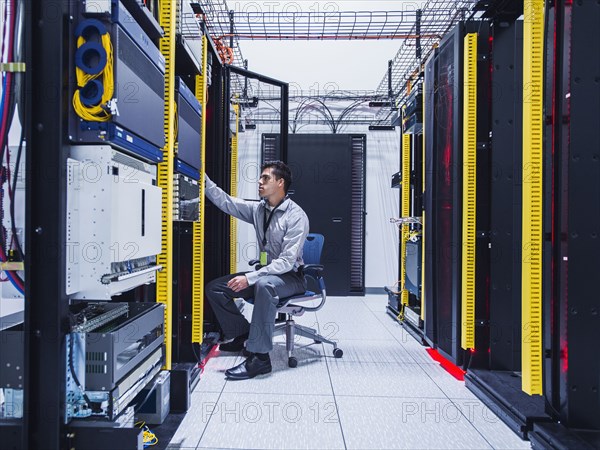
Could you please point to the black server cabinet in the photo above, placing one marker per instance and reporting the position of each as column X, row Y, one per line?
column 572, row 247
column 494, row 375
column 579, row 209
column 218, row 168
column 448, row 200
column 183, row 351
column 429, row 296
column 506, row 201
column 329, row 184
column 479, row 353
column 444, row 200
column 181, row 313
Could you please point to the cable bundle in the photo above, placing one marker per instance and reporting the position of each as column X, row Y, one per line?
column 150, row 438
column 12, row 93
column 94, row 72
column 225, row 52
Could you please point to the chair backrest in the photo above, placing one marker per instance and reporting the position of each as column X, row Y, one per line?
column 313, row 246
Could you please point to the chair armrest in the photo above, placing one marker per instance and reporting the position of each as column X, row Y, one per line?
column 312, row 270
column 255, row 263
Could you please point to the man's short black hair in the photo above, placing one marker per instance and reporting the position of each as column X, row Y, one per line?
column 280, row 170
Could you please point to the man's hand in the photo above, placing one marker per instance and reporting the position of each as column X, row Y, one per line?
column 238, row 283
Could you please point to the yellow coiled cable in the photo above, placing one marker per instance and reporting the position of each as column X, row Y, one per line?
column 150, row 438
column 96, row 113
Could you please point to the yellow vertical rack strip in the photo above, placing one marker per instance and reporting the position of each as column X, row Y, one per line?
column 469, row 227
column 164, row 281
column 533, row 122
column 405, row 212
column 233, row 191
column 198, row 227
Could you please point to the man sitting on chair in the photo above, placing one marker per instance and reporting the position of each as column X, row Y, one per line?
column 281, row 229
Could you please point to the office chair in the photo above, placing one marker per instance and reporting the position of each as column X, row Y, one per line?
column 290, row 307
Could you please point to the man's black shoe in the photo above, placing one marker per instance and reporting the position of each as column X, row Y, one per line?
column 249, row 368
column 236, row 345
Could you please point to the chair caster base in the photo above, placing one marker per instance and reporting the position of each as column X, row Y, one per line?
column 292, row 361
column 338, row 353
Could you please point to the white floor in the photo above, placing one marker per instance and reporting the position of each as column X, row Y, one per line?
column 385, row 393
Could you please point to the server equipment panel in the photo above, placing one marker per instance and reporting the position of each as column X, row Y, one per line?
column 117, row 79
column 113, row 351
column 113, row 222
column 189, row 130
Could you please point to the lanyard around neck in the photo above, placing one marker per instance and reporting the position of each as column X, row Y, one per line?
column 267, row 222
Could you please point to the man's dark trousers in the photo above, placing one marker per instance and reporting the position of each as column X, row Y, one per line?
column 266, row 292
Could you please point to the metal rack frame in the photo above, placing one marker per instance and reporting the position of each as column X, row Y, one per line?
column 216, row 19
column 311, row 25
column 420, row 31
column 46, row 303
column 437, row 18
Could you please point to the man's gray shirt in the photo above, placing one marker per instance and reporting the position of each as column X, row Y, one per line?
column 286, row 234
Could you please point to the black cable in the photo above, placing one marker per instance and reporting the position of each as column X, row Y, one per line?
column 297, row 115
column 347, row 111
column 330, row 119
column 304, row 107
column 12, row 200
column 323, row 110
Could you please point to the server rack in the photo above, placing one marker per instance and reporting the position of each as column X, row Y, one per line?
column 572, row 220
column 49, row 130
column 510, row 381
column 407, row 304
column 443, row 213
column 217, row 167
column 443, row 137
column 47, row 330
column 184, row 351
column 496, row 378
column 429, row 250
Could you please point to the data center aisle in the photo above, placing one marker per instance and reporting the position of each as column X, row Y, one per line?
column 385, row 393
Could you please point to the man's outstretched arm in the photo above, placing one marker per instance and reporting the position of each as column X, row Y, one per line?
column 233, row 206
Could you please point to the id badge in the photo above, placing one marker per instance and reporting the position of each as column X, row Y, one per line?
column 263, row 258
